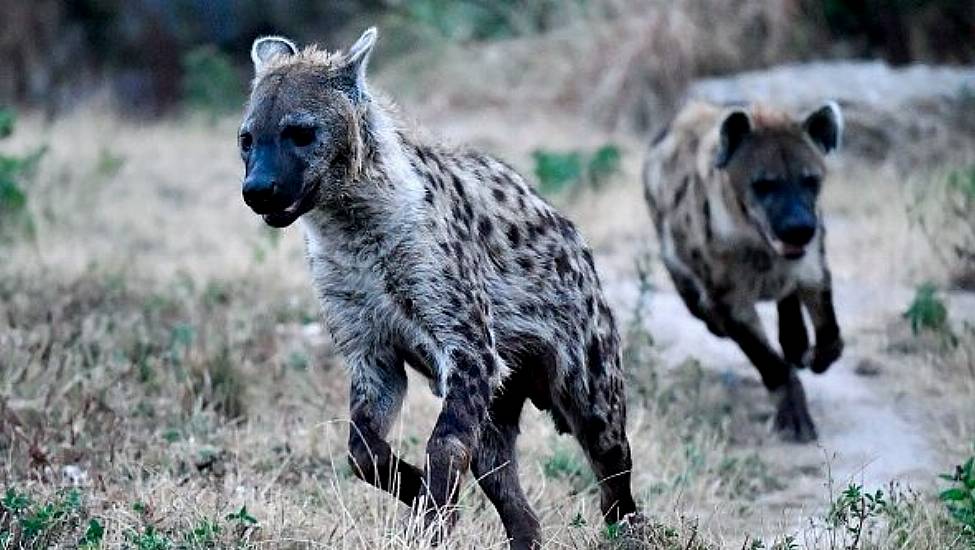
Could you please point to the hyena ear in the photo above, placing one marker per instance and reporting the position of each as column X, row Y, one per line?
column 268, row 47
column 735, row 128
column 357, row 58
column 825, row 127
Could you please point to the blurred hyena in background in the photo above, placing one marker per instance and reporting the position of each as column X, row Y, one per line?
column 734, row 198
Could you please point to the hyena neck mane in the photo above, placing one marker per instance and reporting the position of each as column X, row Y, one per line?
column 381, row 186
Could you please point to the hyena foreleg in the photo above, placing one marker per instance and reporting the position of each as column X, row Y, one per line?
column 779, row 376
column 792, row 329
column 829, row 343
column 457, row 432
column 374, row 404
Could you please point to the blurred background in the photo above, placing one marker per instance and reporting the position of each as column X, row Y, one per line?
column 150, row 56
column 164, row 377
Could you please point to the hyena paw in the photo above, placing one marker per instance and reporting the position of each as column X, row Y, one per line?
column 792, row 419
column 822, row 356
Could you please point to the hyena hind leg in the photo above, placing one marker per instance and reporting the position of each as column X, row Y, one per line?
column 600, row 428
column 495, row 466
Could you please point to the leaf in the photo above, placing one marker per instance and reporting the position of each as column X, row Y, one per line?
column 952, row 495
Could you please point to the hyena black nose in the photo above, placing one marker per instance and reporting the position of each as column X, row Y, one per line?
column 798, row 233
column 260, row 192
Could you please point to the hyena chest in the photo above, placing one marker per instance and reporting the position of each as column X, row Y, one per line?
column 747, row 274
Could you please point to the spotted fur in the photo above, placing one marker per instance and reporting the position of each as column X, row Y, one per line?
column 719, row 246
column 447, row 260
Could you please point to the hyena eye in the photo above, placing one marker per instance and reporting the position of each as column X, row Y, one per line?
column 810, row 183
column 301, row 136
column 246, row 141
column 764, row 186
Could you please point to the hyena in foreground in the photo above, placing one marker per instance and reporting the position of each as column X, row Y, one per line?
column 443, row 259
column 733, row 195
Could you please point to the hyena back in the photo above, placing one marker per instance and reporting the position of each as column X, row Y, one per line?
column 733, row 195
column 445, row 260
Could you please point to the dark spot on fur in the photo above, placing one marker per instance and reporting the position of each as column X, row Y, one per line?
column 458, row 186
column 485, row 227
column 562, row 265
column 498, row 194
column 660, row 135
column 707, row 221
column 682, row 190
column 514, row 235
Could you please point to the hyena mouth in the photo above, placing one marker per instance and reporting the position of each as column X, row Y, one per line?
column 284, row 218
column 790, row 251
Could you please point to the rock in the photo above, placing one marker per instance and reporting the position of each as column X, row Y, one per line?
column 868, row 367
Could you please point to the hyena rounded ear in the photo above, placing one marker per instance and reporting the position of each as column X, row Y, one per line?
column 357, row 58
column 268, row 47
column 735, row 128
column 825, row 127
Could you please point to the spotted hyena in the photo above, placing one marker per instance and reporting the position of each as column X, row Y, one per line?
column 733, row 195
column 443, row 259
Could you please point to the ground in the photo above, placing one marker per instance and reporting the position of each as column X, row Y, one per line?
column 162, row 358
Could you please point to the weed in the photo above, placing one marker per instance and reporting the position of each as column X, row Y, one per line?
column 557, row 171
column 854, row 508
column 928, row 313
column 563, row 463
column 38, row 525
column 205, row 534
column 92, row 538
column 959, row 498
column 149, row 539
column 15, row 173
column 108, row 164
column 560, row 171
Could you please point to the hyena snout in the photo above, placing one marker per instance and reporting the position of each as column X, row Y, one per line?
column 263, row 194
column 795, row 231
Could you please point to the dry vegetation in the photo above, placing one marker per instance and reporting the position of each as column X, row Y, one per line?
column 164, row 380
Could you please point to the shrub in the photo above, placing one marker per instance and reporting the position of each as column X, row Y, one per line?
column 959, row 498
column 927, row 311
column 559, row 171
column 210, row 82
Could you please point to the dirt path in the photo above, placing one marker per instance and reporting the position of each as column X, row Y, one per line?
column 867, row 435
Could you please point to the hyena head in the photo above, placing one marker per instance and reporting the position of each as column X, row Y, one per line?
column 300, row 138
column 776, row 167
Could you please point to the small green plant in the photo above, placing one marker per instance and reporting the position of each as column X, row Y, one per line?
column 563, row 464
column 559, row 171
column 242, row 517
column 15, row 173
column 853, row 509
column 205, row 534
column 604, row 164
column 928, row 313
column 32, row 524
column 149, row 539
column 959, row 498
column 92, row 538
column 210, row 82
